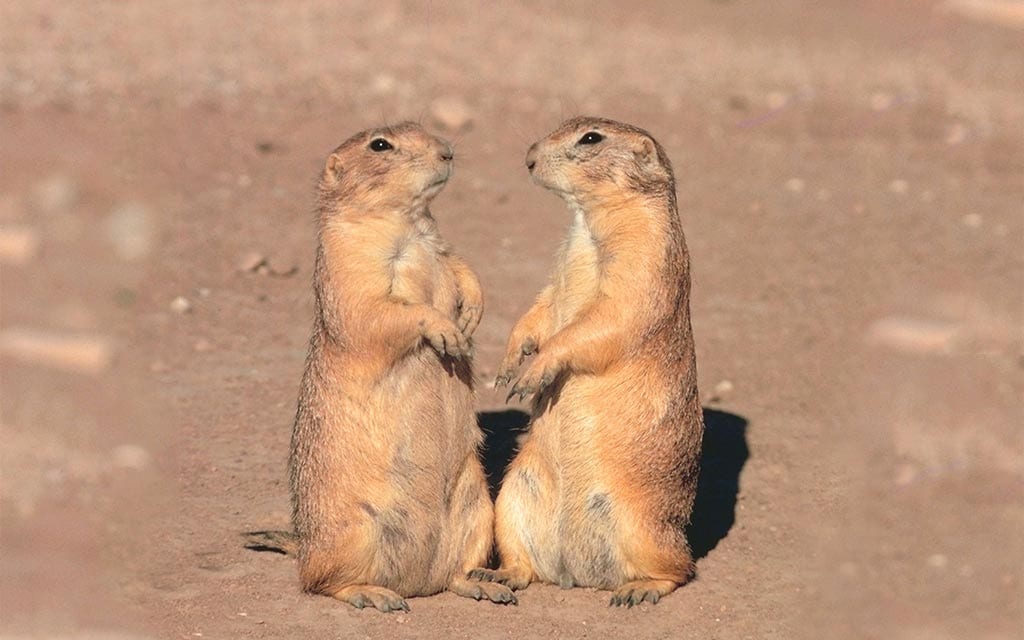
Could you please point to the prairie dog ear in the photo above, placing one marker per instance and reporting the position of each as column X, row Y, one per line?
column 333, row 170
column 646, row 154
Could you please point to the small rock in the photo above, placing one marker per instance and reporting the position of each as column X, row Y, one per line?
column 204, row 292
column 159, row 366
column 58, row 192
column 849, row 569
column 938, row 561
column 927, row 196
column 181, row 305
column 721, row 390
column 251, row 261
column 244, row 181
column 18, row 245
column 796, row 185
column 824, row 195
column 452, row 113
column 282, row 267
column 898, row 186
column 913, row 335
column 130, row 456
column 130, row 230
column 972, row 220
column 202, row 345
column 82, row 354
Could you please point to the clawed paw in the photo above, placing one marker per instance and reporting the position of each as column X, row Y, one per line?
column 469, row 318
column 537, row 378
column 446, row 339
column 630, row 597
column 510, row 579
column 514, row 358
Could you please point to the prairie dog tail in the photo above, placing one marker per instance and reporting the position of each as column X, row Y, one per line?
column 284, row 542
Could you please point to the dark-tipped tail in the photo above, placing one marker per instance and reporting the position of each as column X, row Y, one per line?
column 284, row 542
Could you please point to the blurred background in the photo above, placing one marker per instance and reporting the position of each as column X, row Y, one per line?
column 850, row 177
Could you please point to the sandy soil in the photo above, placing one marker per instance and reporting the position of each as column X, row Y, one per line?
column 850, row 179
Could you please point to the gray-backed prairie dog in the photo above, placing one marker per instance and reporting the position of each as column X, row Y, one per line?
column 601, row 491
column 389, row 498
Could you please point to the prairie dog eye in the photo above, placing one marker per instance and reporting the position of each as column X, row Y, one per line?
column 380, row 144
column 591, row 137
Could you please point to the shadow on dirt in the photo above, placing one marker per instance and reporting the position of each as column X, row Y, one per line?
column 501, row 431
column 724, row 453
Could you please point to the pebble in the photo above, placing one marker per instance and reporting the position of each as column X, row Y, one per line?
column 452, row 113
column 130, row 231
column 796, row 185
column 81, row 354
column 202, row 345
column 281, row 267
column 938, row 561
column 181, row 305
column 130, row 456
column 898, row 186
column 913, row 335
column 972, row 220
column 251, row 261
column 18, row 245
column 58, row 192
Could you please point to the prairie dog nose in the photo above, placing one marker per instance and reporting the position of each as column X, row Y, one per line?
column 531, row 158
column 447, row 153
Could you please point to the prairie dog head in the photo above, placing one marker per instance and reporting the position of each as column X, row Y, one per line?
column 594, row 158
column 398, row 167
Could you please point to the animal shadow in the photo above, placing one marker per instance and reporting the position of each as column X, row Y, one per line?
column 501, row 441
column 723, row 454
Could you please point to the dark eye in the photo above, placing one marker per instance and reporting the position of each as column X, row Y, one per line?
column 591, row 137
column 380, row 144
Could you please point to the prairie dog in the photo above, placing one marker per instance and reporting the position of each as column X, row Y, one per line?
column 389, row 498
column 601, row 491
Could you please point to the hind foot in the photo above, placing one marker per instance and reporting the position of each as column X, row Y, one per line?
column 633, row 593
column 511, row 578
column 478, row 590
column 364, row 595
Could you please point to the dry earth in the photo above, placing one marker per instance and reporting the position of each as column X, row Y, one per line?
column 851, row 179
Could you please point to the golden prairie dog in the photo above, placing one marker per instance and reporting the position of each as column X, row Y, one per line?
column 601, row 491
column 389, row 498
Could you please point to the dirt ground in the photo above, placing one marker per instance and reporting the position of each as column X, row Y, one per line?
column 851, row 180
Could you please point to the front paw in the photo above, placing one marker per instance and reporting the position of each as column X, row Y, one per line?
column 538, row 376
column 469, row 318
column 514, row 358
column 445, row 337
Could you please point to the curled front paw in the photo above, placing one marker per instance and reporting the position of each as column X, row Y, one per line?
column 538, row 377
column 513, row 358
column 469, row 318
column 445, row 337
